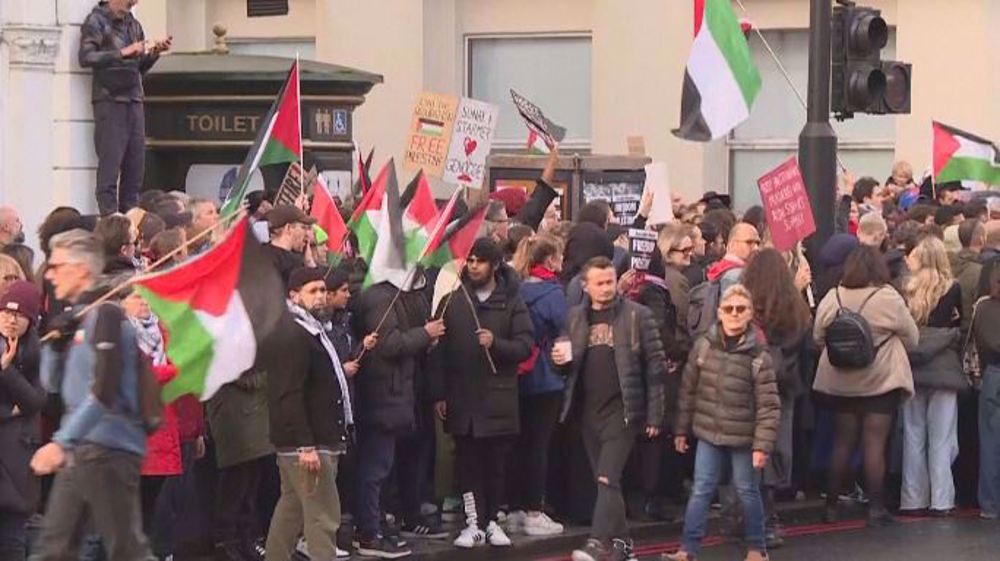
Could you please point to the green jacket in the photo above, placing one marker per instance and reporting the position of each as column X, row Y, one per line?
column 237, row 416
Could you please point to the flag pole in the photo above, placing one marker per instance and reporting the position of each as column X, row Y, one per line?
column 781, row 68
column 479, row 326
column 298, row 93
column 147, row 269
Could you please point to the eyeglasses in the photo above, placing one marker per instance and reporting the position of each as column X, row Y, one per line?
column 734, row 310
column 682, row 250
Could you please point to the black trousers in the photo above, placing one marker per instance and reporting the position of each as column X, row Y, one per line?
column 120, row 142
column 609, row 442
column 236, row 502
column 529, row 466
column 13, row 535
column 481, row 469
column 414, row 467
column 99, row 488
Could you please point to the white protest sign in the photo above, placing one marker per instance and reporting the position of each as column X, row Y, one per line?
column 658, row 183
column 471, row 138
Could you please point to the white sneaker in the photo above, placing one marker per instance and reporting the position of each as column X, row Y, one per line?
column 303, row 549
column 541, row 525
column 470, row 537
column 496, row 536
column 514, row 522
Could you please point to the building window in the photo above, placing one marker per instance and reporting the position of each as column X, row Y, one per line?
column 771, row 133
column 262, row 8
column 553, row 71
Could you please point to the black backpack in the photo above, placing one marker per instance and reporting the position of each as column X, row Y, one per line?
column 849, row 341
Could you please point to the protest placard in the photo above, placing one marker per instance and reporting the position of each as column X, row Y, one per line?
column 475, row 124
column 430, row 133
column 658, row 186
column 536, row 120
column 642, row 244
column 789, row 214
column 622, row 191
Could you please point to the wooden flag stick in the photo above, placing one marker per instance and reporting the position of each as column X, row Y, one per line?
column 479, row 326
column 51, row 335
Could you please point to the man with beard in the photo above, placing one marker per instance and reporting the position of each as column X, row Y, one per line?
column 489, row 334
column 310, row 414
column 11, row 228
column 615, row 386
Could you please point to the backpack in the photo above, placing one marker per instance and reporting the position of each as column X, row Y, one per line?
column 703, row 307
column 849, row 341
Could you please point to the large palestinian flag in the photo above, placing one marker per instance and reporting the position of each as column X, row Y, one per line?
column 279, row 140
column 721, row 80
column 962, row 156
column 217, row 309
column 454, row 244
column 419, row 217
column 388, row 261
column 365, row 220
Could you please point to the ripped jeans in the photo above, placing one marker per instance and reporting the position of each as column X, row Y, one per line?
column 608, row 442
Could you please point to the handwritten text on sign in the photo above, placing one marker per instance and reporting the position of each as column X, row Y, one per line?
column 789, row 214
column 471, row 139
column 430, row 133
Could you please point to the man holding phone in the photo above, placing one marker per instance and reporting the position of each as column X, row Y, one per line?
column 114, row 45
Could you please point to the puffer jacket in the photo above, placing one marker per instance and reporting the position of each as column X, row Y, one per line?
column 386, row 388
column 639, row 360
column 102, row 38
column 935, row 360
column 730, row 398
column 546, row 301
column 482, row 403
column 966, row 268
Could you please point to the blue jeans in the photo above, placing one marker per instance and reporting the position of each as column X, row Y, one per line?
column 989, row 441
column 376, row 455
column 708, row 465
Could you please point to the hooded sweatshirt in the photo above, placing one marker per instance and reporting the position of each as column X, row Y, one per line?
column 546, row 303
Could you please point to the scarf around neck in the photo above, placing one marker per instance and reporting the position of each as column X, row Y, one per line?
column 315, row 328
column 150, row 339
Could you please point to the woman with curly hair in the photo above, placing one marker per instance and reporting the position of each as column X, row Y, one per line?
column 930, row 419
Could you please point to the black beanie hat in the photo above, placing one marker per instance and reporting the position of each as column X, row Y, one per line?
column 487, row 250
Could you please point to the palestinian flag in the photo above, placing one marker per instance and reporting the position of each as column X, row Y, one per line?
column 430, row 127
column 962, row 156
column 536, row 144
column 388, row 261
column 419, row 217
column 456, row 242
column 217, row 309
column 279, row 141
column 324, row 210
column 721, row 80
column 364, row 181
column 438, row 231
column 364, row 221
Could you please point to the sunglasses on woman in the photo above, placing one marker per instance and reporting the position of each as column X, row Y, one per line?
column 734, row 310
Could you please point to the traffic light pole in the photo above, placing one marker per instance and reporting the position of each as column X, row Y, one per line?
column 818, row 141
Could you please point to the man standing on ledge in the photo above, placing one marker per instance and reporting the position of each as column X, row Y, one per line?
column 113, row 43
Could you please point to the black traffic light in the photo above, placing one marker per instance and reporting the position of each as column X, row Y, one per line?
column 861, row 82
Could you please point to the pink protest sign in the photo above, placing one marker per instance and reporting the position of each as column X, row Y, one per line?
column 789, row 214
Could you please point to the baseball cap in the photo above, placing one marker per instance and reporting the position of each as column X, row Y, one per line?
column 283, row 215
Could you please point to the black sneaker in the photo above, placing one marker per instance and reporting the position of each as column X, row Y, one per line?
column 593, row 550
column 427, row 531
column 381, row 548
column 622, row 550
column 229, row 551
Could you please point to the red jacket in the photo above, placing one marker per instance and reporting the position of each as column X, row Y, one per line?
column 163, row 447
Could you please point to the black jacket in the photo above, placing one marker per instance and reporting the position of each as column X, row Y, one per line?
column 481, row 403
column 533, row 211
column 101, row 40
column 385, row 385
column 305, row 403
column 19, row 431
column 639, row 359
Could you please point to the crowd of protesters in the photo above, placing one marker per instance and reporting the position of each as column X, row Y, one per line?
column 551, row 385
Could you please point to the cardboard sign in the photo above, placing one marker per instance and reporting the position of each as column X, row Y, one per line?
column 636, row 146
column 658, row 184
column 475, row 124
column 789, row 214
column 536, row 120
column 430, row 133
column 622, row 191
column 642, row 244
